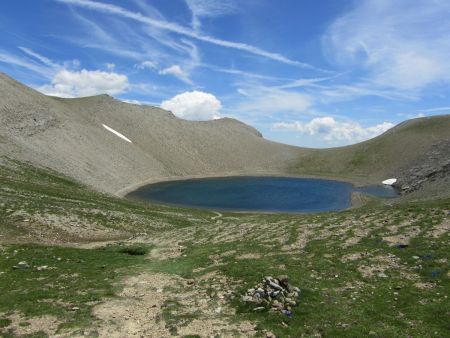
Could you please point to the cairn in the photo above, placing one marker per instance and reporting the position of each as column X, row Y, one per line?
column 275, row 294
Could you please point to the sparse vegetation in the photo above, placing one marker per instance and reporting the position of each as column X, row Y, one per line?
column 134, row 250
column 381, row 270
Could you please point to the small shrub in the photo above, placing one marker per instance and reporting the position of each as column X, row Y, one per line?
column 4, row 322
column 134, row 250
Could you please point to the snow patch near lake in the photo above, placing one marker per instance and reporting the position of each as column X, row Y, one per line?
column 116, row 133
column 389, row 181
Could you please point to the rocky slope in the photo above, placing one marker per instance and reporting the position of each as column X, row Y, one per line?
column 415, row 151
column 431, row 170
column 67, row 135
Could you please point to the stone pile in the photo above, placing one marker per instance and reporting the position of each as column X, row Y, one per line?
column 275, row 294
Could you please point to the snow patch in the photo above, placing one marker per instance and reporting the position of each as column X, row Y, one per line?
column 389, row 181
column 116, row 133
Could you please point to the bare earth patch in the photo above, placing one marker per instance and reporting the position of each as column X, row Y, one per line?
column 382, row 264
column 440, row 229
column 47, row 324
column 249, row 256
column 149, row 301
column 404, row 238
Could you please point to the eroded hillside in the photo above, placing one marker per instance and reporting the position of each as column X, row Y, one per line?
column 68, row 135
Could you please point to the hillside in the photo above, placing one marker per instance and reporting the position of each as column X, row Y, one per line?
column 382, row 155
column 75, row 262
column 67, row 135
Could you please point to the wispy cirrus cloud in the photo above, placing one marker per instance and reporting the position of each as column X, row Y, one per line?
column 396, row 44
column 208, row 8
column 46, row 61
column 268, row 101
column 15, row 60
column 436, row 109
column 185, row 31
column 33, row 61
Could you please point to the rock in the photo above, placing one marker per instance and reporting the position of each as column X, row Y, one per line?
column 270, row 335
column 278, row 306
column 275, row 294
column 275, row 285
column 247, row 299
column 286, row 313
column 283, row 280
column 23, row 265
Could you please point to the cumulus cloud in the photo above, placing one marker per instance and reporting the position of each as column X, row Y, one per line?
column 176, row 71
column 85, row 83
column 332, row 130
column 399, row 44
column 195, row 105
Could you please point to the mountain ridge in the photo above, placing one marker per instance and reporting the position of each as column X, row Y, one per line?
column 67, row 135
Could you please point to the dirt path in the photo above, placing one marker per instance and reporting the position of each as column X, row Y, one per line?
column 163, row 305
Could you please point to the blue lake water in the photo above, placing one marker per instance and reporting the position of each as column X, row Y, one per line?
column 273, row 194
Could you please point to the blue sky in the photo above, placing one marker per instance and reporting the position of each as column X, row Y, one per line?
column 310, row 73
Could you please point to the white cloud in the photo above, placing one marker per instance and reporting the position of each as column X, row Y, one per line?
column 85, row 83
column 400, row 44
column 195, row 105
column 332, row 130
column 176, row 71
column 110, row 66
column 147, row 65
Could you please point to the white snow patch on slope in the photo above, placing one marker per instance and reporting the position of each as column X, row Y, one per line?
column 116, row 133
column 389, row 181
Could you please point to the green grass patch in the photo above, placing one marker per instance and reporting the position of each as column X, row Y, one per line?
column 64, row 282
